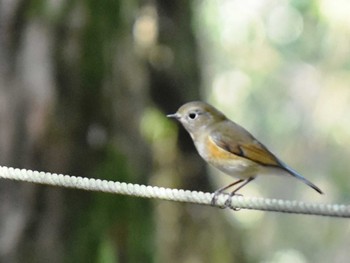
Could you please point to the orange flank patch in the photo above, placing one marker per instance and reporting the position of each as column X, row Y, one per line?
column 216, row 152
column 255, row 152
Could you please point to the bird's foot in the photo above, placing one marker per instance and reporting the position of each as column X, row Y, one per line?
column 215, row 199
column 228, row 201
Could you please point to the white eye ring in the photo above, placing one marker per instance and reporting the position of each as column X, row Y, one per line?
column 192, row 115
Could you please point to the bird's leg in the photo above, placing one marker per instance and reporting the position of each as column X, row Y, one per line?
column 239, row 187
column 219, row 191
column 228, row 200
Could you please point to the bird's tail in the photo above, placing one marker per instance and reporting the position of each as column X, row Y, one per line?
column 301, row 178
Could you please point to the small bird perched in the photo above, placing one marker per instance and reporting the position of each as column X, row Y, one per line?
column 229, row 147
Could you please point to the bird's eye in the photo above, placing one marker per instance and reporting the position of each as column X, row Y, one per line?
column 192, row 115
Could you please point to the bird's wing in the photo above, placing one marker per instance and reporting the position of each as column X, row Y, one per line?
column 236, row 140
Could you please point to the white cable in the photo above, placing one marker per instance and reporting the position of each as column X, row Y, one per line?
column 236, row 202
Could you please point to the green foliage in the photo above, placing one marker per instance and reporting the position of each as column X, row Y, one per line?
column 102, row 25
column 113, row 227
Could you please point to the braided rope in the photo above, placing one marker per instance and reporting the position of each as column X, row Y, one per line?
column 236, row 202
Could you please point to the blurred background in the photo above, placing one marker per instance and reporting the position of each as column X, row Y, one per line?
column 84, row 89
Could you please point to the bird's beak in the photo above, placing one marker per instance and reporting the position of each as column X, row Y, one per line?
column 174, row 116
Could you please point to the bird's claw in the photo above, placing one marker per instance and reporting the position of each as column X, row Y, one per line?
column 215, row 199
column 227, row 203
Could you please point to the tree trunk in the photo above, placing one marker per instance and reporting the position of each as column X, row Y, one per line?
column 77, row 83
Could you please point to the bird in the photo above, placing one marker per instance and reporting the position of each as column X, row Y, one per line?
column 230, row 148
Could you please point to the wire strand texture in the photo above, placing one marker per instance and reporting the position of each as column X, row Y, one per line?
column 195, row 197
